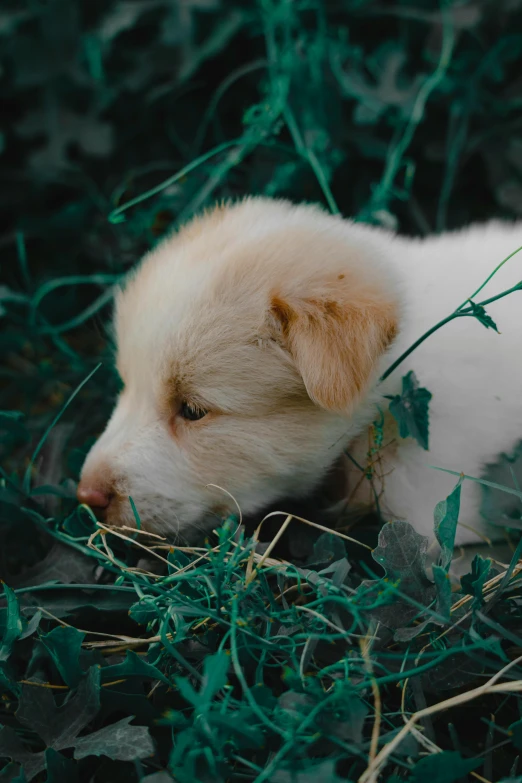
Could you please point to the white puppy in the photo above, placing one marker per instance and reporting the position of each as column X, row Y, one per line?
column 250, row 345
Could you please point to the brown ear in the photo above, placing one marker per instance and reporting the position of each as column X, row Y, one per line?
column 335, row 340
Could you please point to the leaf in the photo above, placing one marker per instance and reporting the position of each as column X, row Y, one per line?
column 402, row 553
column 410, row 410
column 479, row 312
column 58, row 727
column 446, row 517
column 10, row 415
column 133, row 666
column 59, row 768
column 215, row 668
column 473, row 583
column 64, row 645
column 60, row 564
column 327, row 549
column 12, row 773
column 238, row 725
column 119, row 741
column 14, row 625
column 144, row 611
column 443, row 585
column 11, row 747
column 445, row 767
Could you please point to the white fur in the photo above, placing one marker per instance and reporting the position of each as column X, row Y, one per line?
column 195, row 322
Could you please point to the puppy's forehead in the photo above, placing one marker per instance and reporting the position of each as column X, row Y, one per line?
column 197, row 304
column 184, row 286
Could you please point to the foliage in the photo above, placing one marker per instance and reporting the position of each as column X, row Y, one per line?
column 121, row 119
column 410, row 409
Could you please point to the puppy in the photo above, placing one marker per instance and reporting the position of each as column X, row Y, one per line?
column 250, row 345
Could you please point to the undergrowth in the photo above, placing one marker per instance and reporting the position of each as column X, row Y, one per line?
column 127, row 659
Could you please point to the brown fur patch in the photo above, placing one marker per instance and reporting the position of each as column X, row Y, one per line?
column 336, row 342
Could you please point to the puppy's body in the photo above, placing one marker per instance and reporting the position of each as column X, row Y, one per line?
column 276, row 321
column 473, row 373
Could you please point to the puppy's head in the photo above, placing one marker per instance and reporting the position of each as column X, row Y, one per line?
column 247, row 345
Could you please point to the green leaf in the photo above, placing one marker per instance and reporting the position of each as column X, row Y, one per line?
column 446, row 517
column 12, row 773
column 402, row 554
column 479, row 312
column 59, row 768
column 410, row 410
column 473, row 583
column 133, row 666
column 64, row 645
column 215, row 668
column 443, row 585
column 144, row 611
column 119, row 741
column 58, row 727
column 11, row 747
column 14, row 626
column 445, row 767
column 238, row 725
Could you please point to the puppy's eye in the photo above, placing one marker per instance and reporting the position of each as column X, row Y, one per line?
column 191, row 412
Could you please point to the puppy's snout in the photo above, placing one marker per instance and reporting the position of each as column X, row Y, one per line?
column 96, row 489
column 93, row 496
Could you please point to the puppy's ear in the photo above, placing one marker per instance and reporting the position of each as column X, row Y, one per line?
column 335, row 338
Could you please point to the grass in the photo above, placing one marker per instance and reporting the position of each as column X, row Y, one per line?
column 123, row 658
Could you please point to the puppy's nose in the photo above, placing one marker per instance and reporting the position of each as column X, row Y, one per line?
column 95, row 497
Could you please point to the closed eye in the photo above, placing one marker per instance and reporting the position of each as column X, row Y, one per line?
column 191, row 412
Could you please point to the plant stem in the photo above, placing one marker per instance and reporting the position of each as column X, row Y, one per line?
column 458, row 313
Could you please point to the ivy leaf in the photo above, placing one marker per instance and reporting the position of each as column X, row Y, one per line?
column 64, row 645
column 59, row 728
column 445, row 767
column 473, row 583
column 479, row 312
column 119, row 741
column 410, row 410
column 446, row 516
column 402, row 553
